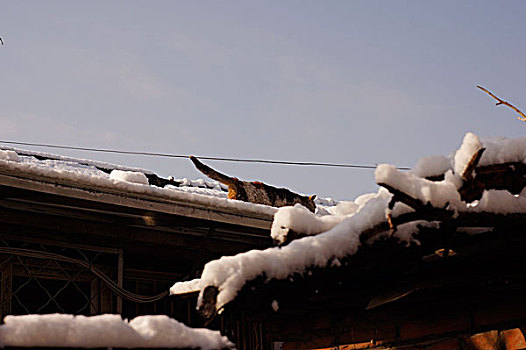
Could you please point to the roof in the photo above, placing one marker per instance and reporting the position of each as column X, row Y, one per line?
column 133, row 187
column 477, row 190
column 125, row 186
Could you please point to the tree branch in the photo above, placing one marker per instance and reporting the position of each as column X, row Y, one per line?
column 425, row 210
column 501, row 102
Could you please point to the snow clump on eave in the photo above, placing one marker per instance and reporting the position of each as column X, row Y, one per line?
column 11, row 156
column 129, row 176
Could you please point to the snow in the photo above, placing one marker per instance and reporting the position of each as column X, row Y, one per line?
column 503, row 150
column 432, row 166
column 59, row 330
column 129, row 176
column 336, row 234
column 83, row 172
column 470, row 145
column 406, row 232
column 442, row 193
column 497, row 151
column 439, row 194
column 86, row 162
column 126, row 180
column 185, row 287
column 207, row 188
column 344, row 208
column 214, row 185
column 500, row 202
column 300, row 219
column 9, row 156
column 332, row 233
column 230, row 273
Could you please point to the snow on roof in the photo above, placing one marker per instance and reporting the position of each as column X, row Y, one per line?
column 80, row 169
column 337, row 235
column 105, row 331
column 210, row 194
column 87, row 174
column 65, row 159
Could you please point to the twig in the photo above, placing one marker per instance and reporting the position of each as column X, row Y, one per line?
column 501, row 102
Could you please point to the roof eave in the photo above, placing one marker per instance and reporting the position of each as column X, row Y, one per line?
column 137, row 198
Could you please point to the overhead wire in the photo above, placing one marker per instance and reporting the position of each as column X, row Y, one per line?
column 168, row 155
column 97, row 272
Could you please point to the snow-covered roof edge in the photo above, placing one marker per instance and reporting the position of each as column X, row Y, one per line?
column 127, row 188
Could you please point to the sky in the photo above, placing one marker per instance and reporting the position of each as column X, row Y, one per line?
column 352, row 82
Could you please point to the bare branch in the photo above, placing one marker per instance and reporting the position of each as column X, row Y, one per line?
column 501, row 102
column 425, row 210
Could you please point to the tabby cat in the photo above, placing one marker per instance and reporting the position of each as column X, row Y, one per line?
column 256, row 192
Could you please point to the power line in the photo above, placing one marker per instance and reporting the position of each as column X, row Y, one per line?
column 262, row 161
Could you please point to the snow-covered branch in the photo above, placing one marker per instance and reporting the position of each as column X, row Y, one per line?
column 480, row 171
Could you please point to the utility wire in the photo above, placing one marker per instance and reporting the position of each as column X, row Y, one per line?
column 263, row 161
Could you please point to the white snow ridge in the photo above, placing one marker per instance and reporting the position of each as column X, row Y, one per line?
column 59, row 330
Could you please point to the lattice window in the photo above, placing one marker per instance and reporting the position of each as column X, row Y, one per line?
column 33, row 280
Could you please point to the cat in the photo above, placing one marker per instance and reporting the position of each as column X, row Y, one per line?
column 256, row 192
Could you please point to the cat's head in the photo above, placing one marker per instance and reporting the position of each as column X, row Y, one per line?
column 308, row 201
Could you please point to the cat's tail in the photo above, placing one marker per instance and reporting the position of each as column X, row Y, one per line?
column 211, row 173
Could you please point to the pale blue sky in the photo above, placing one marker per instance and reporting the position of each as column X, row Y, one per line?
column 361, row 82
